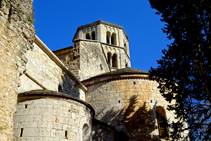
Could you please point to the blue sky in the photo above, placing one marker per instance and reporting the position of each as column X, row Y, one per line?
column 56, row 23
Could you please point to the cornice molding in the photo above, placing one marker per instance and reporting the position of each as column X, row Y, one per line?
column 54, row 58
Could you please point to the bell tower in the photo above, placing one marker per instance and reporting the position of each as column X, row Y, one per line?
column 113, row 39
column 98, row 47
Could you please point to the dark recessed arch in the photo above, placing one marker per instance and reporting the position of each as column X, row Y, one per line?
column 114, row 60
column 113, row 39
column 108, row 34
column 93, row 35
column 109, row 58
column 85, row 132
column 162, row 123
column 88, row 36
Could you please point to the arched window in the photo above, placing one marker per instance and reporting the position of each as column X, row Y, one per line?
column 88, row 36
column 109, row 58
column 114, row 61
column 93, row 35
column 113, row 39
column 59, row 88
column 108, row 34
column 86, row 133
column 162, row 123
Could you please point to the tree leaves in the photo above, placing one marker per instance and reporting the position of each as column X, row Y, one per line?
column 186, row 65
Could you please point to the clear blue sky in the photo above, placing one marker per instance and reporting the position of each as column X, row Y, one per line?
column 57, row 21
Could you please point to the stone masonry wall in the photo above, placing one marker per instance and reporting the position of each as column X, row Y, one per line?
column 43, row 73
column 86, row 59
column 92, row 60
column 16, row 37
column 51, row 119
column 70, row 58
column 129, row 105
column 101, row 133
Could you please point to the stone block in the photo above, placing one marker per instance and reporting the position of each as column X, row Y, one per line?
column 30, row 132
column 60, row 134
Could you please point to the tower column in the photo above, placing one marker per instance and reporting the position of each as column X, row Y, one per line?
column 110, row 39
column 110, row 61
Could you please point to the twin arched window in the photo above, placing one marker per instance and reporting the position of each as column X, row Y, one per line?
column 92, row 35
column 111, row 39
column 112, row 60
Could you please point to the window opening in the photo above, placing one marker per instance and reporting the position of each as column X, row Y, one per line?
column 109, row 58
column 85, row 132
column 113, row 39
column 107, row 37
column 66, row 135
column 21, row 134
column 87, row 36
column 93, row 35
column 114, row 61
column 162, row 123
column 59, row 88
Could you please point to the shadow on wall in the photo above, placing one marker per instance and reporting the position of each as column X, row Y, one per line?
column 68, row 86
column 136, row 123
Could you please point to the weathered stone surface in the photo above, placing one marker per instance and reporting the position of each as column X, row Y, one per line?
column 42, row 72
column 14, row 23
column 127, row 103
column 51, row 118
column 85, row 59
column 102, row 132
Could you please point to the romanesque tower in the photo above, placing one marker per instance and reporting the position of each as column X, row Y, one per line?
column 97, row 48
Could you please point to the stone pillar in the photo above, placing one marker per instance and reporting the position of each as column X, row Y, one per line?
column 16, row 37
column 111, row 61
column 110, row 39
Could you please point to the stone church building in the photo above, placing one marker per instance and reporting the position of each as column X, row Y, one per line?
column 85, row 92
column 88, row 91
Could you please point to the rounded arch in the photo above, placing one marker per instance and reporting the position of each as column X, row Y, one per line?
column 114, row 60
column 109, row 58
column 88, row 36
column 113, row 39
column 93, row 35
column 85, row 131
column 162, row 123
column 108, row 35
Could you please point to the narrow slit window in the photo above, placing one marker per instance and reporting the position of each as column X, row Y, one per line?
column 21, row 134
column 66, row 135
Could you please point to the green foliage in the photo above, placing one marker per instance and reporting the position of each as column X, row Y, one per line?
column 186, row 65
column 30, row 19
